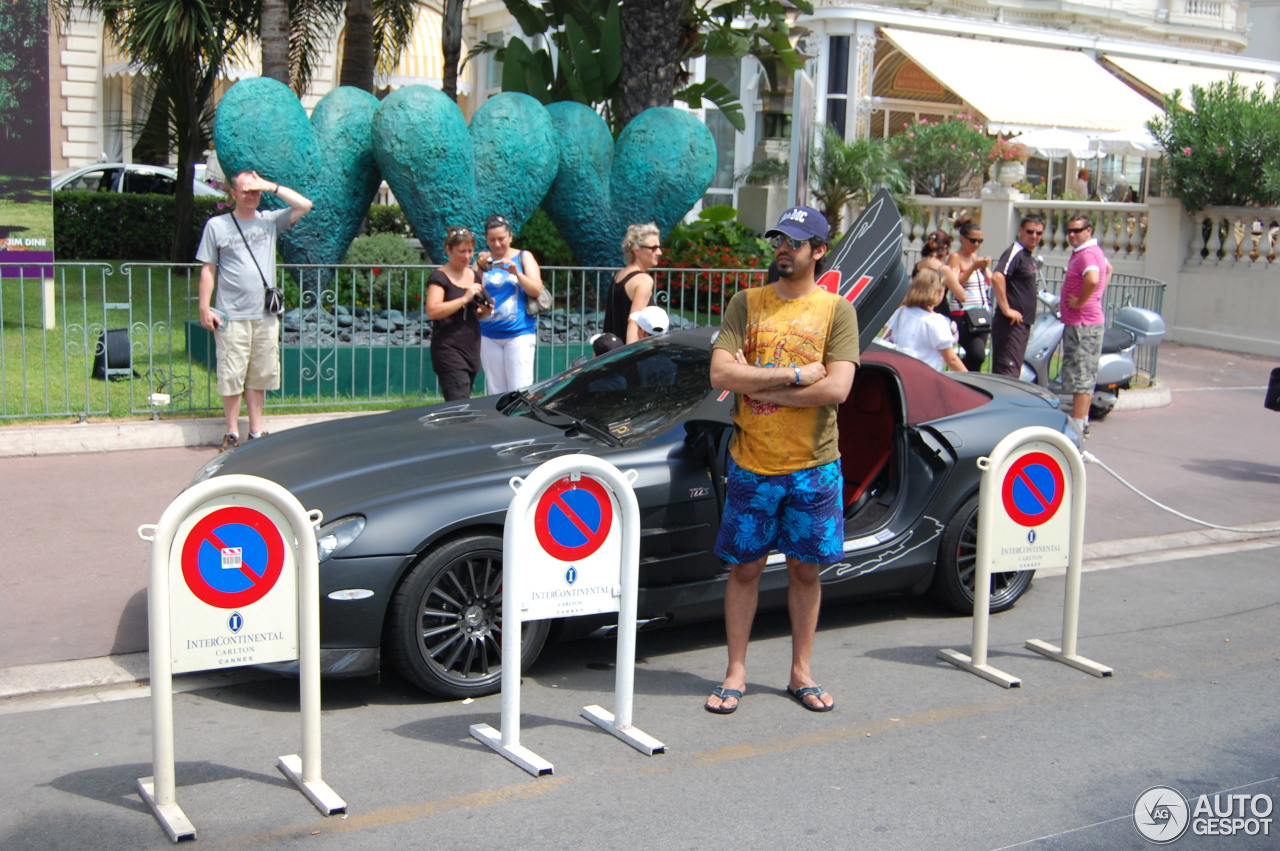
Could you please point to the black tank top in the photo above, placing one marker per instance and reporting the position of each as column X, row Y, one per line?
column 617, row 308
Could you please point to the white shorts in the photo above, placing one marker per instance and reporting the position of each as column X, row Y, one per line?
column 248, row 355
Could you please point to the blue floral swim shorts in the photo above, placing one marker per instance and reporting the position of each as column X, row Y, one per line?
column 800, row 514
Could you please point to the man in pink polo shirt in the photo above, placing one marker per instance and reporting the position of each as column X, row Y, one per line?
column 1087, row 274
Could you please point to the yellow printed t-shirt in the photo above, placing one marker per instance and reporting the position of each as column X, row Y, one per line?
column 772, row 331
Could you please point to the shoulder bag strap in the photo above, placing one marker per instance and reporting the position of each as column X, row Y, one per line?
column 248, row 248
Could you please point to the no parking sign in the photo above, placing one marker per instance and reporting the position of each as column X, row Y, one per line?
column 1032, row 531
column 233, row 594
column 575, row 569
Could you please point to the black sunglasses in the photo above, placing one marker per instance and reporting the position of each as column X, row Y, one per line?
column 778, row 240
column 1077, row 230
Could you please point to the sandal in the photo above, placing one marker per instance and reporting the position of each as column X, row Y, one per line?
column 811, row 691
column 724, row 694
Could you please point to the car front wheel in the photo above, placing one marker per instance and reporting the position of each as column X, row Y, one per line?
column 445, row 623
column 957, row 565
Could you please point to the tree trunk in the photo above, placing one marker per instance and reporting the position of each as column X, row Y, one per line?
column 650, row 45
column 451, row 43
column 273, row 33
column 358, row 59
column 189, row 144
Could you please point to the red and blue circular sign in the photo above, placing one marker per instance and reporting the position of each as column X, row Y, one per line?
column 573, row 518
column 232, row 557
column 1033, row 489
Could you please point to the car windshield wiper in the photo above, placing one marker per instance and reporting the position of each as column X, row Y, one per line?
column 543, row 415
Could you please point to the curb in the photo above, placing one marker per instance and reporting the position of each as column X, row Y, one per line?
column 67, row 439
column 1158, row 395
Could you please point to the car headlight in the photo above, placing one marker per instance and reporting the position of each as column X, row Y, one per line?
column 335, row 536
column 213, row 465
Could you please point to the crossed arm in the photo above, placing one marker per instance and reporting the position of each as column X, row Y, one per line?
column 820, row 384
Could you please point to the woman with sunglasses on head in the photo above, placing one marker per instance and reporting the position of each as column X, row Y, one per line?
column 934, row 255
column 509, row 337
column 456, row 302
column 632, row 285
column 971, row 271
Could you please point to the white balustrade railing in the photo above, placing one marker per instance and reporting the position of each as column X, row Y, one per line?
column 1235, row 236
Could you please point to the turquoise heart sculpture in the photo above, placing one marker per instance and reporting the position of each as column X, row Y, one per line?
column 660, row 166
column 261, row 126
column 445, row 174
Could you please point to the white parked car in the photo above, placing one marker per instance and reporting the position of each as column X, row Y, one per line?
column 127, row 177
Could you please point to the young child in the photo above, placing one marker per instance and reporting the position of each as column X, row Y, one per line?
column 917, row 330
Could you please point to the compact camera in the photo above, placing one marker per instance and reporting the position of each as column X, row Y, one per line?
column 483, row 299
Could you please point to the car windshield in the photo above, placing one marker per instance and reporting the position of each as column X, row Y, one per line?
column 631, row 393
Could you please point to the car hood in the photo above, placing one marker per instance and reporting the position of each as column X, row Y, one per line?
column 357, row 463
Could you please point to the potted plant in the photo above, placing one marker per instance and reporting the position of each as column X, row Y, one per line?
column 1008, row 159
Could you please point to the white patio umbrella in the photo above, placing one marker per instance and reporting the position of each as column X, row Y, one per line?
column 1138, row 141
column 1056, row 143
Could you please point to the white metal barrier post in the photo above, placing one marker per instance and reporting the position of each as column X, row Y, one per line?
column 225, row 540
column 1025, row 481
column 607, row 557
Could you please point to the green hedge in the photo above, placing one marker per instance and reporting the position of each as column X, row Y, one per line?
column 92, row 225
column 120, row 226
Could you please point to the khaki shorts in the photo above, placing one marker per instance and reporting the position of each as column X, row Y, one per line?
column 248, row 355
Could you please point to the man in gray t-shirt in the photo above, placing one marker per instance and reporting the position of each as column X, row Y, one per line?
column 238, row 253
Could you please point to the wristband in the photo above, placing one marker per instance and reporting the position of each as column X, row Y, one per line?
column 797, row 369
column 277, row 192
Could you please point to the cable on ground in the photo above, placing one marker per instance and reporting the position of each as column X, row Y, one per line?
column 1090, row 458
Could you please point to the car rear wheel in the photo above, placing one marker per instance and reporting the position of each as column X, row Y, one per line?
column 957, row 564
column 445, row 623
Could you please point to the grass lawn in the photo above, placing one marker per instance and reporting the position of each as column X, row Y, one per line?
column 45, row 373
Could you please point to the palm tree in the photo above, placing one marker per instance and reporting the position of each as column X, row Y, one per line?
column 843, row 173
column 182, row 47
column 376, row 31
column 292, row 33
column 840, row 173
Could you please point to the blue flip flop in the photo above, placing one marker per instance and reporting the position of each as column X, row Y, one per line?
column 811, row 691
column 724, row 693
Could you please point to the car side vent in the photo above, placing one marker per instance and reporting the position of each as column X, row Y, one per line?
column 532, row 450
column 451, row 416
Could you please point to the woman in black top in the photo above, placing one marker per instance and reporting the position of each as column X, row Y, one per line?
column 633, row 285
column 455, row 305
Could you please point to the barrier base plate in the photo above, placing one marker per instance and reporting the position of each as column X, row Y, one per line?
column 987, row 672
column 1053, row 652
column 317, row 791
column 170, row 816
column 520, row 755
column 638, row 739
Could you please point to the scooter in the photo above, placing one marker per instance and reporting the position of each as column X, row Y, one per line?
column 1131, row 327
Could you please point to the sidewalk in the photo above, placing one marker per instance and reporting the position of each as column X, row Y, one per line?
column 1200, row 442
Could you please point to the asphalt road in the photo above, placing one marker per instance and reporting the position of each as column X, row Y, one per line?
column 917, row 753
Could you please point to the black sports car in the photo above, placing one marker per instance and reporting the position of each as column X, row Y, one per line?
column 415, row 499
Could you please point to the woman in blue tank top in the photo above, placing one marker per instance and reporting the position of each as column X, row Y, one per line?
column 509, row 337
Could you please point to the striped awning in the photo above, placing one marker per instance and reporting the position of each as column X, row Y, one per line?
column 1156, row 79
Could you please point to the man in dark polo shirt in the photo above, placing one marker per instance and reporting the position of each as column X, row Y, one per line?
column 1013, row 281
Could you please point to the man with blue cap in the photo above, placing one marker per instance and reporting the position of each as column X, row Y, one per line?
column 787, row 351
